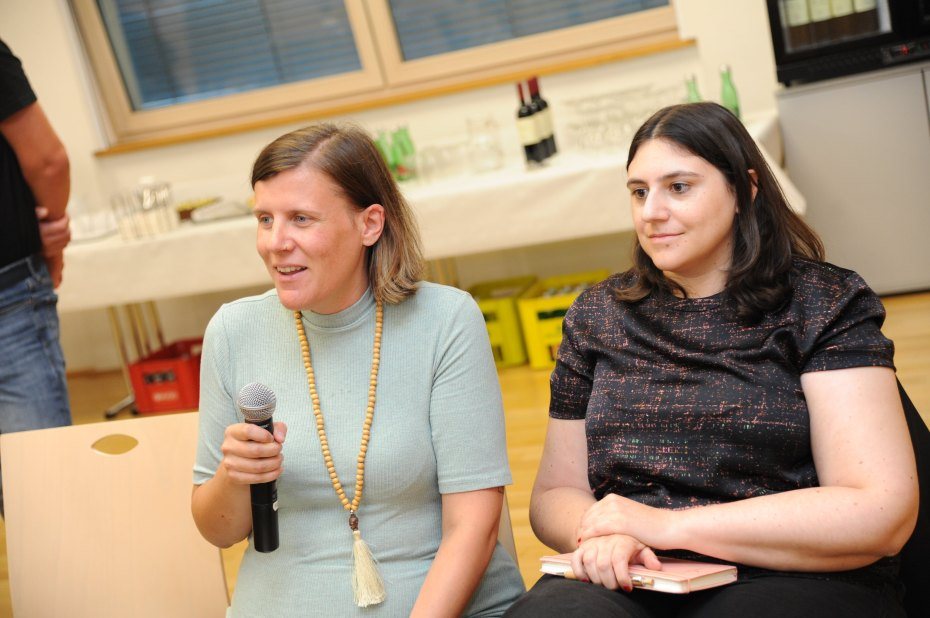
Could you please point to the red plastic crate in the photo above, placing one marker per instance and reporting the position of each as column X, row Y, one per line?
column 168, row 380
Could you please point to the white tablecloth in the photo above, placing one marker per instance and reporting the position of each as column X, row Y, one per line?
column 574, row 196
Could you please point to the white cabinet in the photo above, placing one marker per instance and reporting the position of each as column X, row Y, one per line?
column 858, row 149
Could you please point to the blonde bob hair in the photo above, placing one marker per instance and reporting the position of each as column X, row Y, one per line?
column 349, row 157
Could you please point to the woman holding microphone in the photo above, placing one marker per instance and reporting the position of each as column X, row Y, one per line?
column 389, row 421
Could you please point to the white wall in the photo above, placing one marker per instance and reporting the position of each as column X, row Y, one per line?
column 43, row 35
column 733, row 32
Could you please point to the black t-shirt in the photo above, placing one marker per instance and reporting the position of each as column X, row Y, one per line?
column 19, row 228
column 684, row 405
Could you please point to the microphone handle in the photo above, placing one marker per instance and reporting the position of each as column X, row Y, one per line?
column 264, row 508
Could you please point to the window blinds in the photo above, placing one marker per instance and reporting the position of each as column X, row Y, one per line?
column 175, row 51
column 429, row 27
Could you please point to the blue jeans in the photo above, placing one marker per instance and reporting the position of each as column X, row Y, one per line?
column 33, row 390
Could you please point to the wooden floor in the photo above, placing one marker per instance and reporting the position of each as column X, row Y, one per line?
column 526, row 396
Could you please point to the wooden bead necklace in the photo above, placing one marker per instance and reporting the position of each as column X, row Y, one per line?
column 367, row 583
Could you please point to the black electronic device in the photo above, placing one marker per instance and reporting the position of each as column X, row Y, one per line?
column 815, row 40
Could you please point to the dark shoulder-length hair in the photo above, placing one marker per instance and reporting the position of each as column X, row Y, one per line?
column 767, row 234
column 349, row 157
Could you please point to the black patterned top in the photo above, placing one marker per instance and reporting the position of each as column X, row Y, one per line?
column 684, row 405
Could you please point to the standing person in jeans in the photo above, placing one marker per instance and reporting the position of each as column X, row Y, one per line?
column 34, row 187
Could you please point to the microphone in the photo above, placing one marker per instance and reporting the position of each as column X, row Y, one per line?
column 256, row 402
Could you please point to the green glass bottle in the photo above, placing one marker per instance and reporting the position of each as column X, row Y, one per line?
column 728, row 97
column 402, row 135
column 384, row 147
column 402, row 153
column 693, row 95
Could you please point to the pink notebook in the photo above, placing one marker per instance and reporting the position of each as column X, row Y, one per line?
column 676, row 576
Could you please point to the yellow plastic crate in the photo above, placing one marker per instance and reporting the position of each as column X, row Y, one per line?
column 498, row 302
column 542, row 309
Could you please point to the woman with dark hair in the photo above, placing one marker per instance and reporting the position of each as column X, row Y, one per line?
column 730, row 398
column 386, row 392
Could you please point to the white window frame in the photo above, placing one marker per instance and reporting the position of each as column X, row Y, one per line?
column 384, row 79
column 605, row 36
column 203, row 116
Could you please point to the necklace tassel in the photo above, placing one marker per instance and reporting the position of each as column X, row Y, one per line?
column 366, row 580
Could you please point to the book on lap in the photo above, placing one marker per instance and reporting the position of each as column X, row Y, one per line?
column 676, row 577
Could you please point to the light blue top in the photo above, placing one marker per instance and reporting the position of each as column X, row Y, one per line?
column 438, row 428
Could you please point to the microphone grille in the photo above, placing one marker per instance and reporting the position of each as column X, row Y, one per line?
column 256, row 402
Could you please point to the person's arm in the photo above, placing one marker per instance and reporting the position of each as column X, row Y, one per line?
column 222, row 506
column 466, row 424
column 45, row 166
column 469, row 534
column 231, row 455
column 561, row 496
column 561, row 493
column 864, row 509
column 41, row 157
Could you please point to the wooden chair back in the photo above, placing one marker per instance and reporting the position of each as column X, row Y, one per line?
column 915, row 557
column 97, row 534
column 505, row 532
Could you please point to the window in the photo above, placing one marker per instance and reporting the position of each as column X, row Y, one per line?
column 170, row 70
column 564, row 31
column 171, row 51
column 428, row 28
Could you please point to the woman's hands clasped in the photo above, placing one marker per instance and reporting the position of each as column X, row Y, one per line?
column 609, row 541
column 605, row 560
column 251, row 454
column 615, row 514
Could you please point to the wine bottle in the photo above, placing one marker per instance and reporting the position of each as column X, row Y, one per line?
column 728, row 97
column 533, row 147
column 545, row 117
column 691, row 88
column 537, row 116
column 799, row 24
